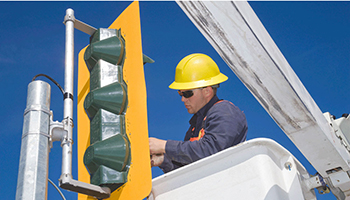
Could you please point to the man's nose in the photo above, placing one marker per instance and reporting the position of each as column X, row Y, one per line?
column 183, row 99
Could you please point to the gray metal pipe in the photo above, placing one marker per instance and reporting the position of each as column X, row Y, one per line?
column 68, row 101
column 34, row 158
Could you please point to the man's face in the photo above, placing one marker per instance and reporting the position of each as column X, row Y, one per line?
column 194, row 103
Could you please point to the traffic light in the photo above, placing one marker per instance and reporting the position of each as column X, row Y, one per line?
column 113, row 146
column 108, row 156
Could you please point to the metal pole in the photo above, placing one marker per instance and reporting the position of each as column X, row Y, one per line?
column 33, row 165
column 68, row 97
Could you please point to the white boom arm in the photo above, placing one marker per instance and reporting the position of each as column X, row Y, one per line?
column 239, row 37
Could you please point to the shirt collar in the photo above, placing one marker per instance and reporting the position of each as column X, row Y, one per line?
column 203, row 111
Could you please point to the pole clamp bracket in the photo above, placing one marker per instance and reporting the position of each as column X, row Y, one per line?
column 57, row 131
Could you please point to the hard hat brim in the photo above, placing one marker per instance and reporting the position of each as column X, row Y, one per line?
column 198, row 84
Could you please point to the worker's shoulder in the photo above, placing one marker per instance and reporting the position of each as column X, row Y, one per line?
column 226, row 111
column 223, row 106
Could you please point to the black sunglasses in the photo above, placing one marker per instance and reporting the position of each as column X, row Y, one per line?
column 186, row 94
column 189, row 93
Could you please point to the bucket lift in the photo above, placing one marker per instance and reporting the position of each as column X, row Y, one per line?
column 237, row 34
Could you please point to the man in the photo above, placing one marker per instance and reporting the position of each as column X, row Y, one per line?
column 215, row 125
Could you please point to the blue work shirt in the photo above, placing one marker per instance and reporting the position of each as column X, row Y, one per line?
column 224, row 126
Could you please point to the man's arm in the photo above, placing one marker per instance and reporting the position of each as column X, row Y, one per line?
column 159, row 159
column 225, row 126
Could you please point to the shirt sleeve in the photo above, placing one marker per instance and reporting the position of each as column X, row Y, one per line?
column 225, row 126
column 169, row 165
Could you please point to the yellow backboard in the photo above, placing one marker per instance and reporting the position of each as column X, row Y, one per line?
column 139, row 182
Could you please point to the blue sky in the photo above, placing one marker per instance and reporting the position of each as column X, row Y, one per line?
column 313, row 36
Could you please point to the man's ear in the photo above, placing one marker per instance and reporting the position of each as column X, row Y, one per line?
column 208, row 91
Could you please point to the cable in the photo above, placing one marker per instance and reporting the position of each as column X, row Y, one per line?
column 57, row 189
column 51, row 79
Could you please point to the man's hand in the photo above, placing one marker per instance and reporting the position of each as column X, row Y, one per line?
column 157, row 160
column 156, row 146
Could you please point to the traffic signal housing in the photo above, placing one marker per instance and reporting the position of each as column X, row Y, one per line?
column 108, row 156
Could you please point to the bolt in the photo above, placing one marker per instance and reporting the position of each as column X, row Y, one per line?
column 288, row 166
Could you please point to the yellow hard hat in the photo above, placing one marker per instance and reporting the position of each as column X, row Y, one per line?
column 195, row 71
